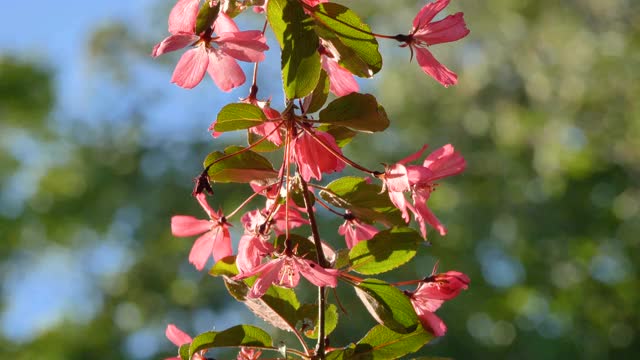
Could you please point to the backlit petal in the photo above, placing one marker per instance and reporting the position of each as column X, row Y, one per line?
column 433, row 68
column 182, row 225
column 191, row 68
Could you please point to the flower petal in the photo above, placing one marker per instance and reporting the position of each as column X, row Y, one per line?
column 341, row 81
column 177, row 336
column 225, row 71
column 191, row 68
column 183, row 16
column 432, row 323
column 244, row 45
column 173, row 43
column 224, row 24
column 182, row 225
column 433, row 68
column 202, row 200
column 449, row 29
column 444, row 162
column 221, row 243
column 316, row 274
column 202, row 249
column 428, row 12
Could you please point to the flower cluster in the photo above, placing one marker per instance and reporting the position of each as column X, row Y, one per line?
column 324, row 46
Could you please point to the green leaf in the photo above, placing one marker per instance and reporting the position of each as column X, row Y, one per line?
column 342, row 259
column 364, row 200
column 386, row 251
column 184, row 351
column 238, row 116
column 300, row 61
column 278, row 306
column 297, row 193
column 207, row 15
column 358, row 50
column 318, row 97
column 388, row 305
column 345, row 353
column 264, row 146
column 240, row 335
column 242, row 168
column 310, row 312
column 341, row 134
column 357, row 111
column 382, row 343
column 225, row 267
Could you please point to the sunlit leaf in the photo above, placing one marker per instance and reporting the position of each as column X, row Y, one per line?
column 356, row 111
column 309, row 312
column 300, row 62
column 239, row 116
column 240, row 335
column 350, row 37
column 243, row 167
column 386, row 251
column 388, row 305
column 364, row 200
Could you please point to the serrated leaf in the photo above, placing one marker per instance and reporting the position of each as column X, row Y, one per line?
column 225, row 267
column 388, row 305
column 385, row 251
column 363, row 200
column 381, row 343
column 238, row 116
column 357, row 49
column 243, row 167
column 356, row 111
column 184, row 351
column 278, row 306
column 300, row 61
column 310, row 312
column 318, row 97
column 341, row 134
column 240, row 335
column 207, row 15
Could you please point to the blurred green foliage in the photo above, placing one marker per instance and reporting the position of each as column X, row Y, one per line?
column 545, row 220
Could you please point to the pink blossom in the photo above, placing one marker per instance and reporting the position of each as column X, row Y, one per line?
column 432, row 293
column 420, row 181
column 253, row 246
column 215, row 240
column 248, row 354
column 216, row 55
column 313, row 158
column 179, row 338
column 341, row 81
column 283, row 219
column 426, row 33
column 285, row 271
column 355, row 231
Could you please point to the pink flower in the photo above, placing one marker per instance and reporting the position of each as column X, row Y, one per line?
column 253, row 246
column 179, row 338
column 285, row 271
column 248, row 354
column 213, row 54
column 420, row 180
column 432, row 293
column 313, row 158
column 215, row 240
column 355, row 231
column 426, row 33
column 341, row 81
